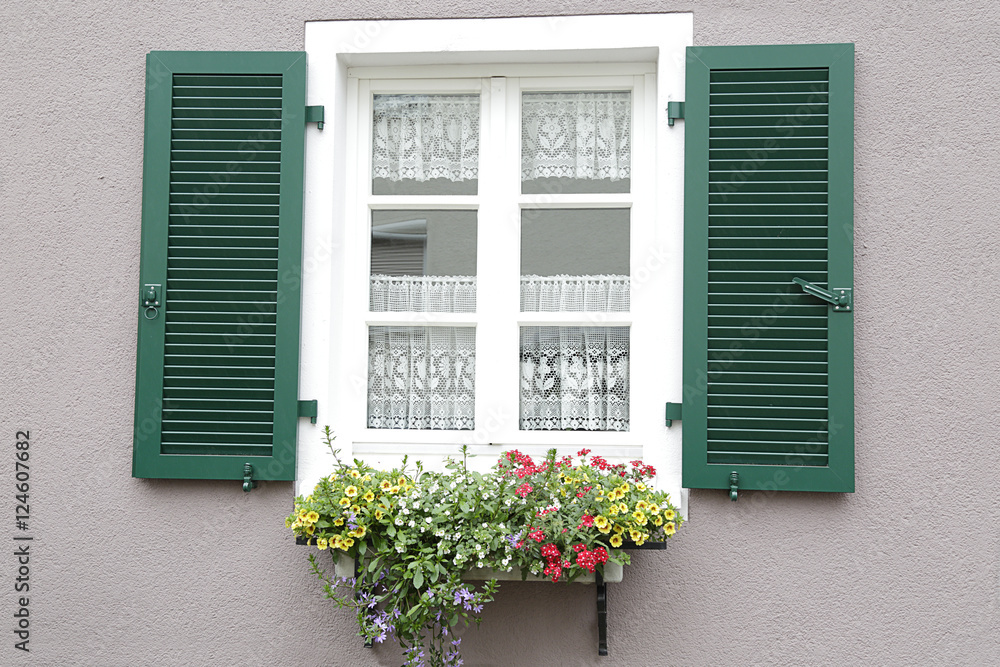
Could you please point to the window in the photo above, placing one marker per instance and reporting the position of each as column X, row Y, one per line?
column 496, row 282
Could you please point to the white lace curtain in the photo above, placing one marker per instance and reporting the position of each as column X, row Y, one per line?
column 423, row 294
column 421, row 137
column 576, row 135
column 457, row 294
column 575, row 293
column 421, row 377
column 574, row 378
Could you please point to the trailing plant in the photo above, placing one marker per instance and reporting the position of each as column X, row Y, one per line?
column 415, row 533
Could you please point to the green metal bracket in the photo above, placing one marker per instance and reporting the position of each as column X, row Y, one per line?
column 734, row 486
column 151, row 300
column 675, row 110
column 673, row 412
column 309, row 409
column 842, row 298
column 316, row 114
column 248, row 483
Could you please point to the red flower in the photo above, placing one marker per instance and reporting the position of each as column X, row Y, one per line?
column 524, row 490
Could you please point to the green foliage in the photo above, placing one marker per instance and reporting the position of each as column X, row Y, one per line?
column 416, row 533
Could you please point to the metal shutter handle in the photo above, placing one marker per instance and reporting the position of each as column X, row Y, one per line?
column 841, row 297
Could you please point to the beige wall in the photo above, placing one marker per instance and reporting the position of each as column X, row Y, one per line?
column 136, row 572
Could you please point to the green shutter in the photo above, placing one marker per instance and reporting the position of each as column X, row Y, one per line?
column 768, row 369
column 217, row 362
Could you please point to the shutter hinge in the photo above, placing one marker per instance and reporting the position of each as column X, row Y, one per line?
column 734, row 485
column 673, row 412
column 248, row 483
column 842, row 298
column 316, row 114
column 675, row 110
column 309, row 409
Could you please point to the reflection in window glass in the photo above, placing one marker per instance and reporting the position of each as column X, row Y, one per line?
column 575, row 260
column 425, row 144
column 423, row 261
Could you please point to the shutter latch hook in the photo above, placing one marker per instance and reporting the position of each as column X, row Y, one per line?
column 734, row 485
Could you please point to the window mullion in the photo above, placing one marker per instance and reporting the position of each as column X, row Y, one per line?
column 498, row 301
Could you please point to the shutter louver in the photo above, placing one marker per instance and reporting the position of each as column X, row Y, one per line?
column 765, row 384
column 222, row 231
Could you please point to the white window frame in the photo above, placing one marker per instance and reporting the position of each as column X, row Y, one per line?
column 395, row 55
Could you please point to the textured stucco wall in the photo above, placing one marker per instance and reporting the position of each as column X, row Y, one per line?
column 133, row 572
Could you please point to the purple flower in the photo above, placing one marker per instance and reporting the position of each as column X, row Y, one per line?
column 514, row 539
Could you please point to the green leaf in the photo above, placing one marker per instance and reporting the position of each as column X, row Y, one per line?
column 418, row 579
column 363, row 548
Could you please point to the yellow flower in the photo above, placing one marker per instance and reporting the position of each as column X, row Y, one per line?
column 619, row 529
column 669, row 515
column 613, row 510
column 601, row 522
column 657, row 520
column 378, row 515
column 339, row 521
column 310, row 529
column 640, row 486
column 297, row 524
column 348, row 543
column 401, row 481
column 616, row 540
column 625, row 488
column 394, row 489
column 355, row 508
column 642, row 505
column 312, row 517
column 355, row 474
column 369, row 497
column 322, row 543
column 639, row 517
column 385, row 485
column 337, row 542
column 351, row 491
column 670, row 528
column 636, row 535
column 366, row 478
column 288, row 522
column 641, row 539
column 360, row 531
column 344, row 502
column 654, row 508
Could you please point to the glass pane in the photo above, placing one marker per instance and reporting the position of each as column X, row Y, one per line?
column 425, row 144
column 576, row 142
column 423, row 261
column 575, row 260
column 421, row 377
column 574, row 378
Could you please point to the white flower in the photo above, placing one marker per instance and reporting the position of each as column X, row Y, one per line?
column 438, row 533
column 400, row 548
column 486, row 525
column 398, row 521
column 447, row 512
column 428, row 519
column 479, row 564
column 406, row 511
column 412, row 523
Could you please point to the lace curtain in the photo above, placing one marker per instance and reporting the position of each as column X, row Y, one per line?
column 575, row 293
column 421, row 377
column 575, row 378
column 423, row 294
column 421, row 137
column 576, row 135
